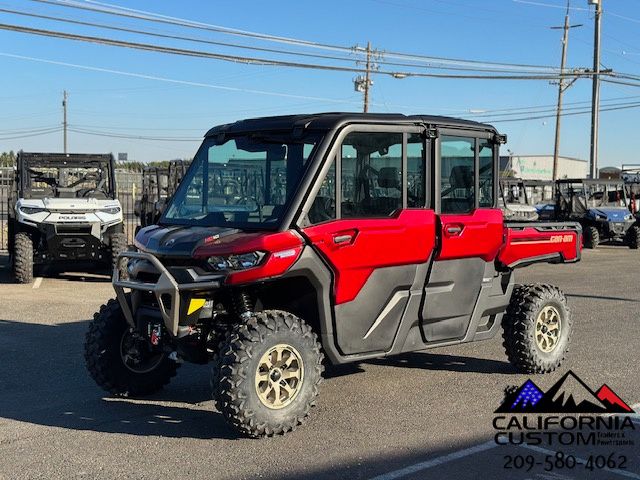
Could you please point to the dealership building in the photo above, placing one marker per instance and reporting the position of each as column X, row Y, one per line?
column 540, row 167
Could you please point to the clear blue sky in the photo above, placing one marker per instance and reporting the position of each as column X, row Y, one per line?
column 497, row 30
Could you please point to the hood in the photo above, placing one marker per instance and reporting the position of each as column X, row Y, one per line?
column 520, row 208
column 613, row 214
column 178, row 240
column 71, row 204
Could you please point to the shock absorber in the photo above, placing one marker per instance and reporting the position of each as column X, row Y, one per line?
column 243, row 304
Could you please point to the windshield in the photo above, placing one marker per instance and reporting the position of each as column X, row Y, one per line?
column 67, row 181
column 242, row 181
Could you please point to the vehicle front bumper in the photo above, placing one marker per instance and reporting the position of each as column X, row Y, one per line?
column 173, row 295
column 617, row 229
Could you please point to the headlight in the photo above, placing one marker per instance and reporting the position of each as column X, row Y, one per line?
column 32, row 210
column 111, row 210
column 235, row 262
column 628, row 217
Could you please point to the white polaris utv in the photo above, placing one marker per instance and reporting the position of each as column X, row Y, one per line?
column 63, row 208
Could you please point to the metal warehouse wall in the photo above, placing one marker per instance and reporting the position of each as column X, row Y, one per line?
column 540, row 167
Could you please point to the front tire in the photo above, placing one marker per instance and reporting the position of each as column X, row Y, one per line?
column 633, row 237
column 118, row 361
column 269, row 372
column 118, row 245
column 23, row 258
column 591, row 237
column 537, row 328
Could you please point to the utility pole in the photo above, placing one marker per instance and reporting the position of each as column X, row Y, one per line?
column 367, row 79
column 364, row 83
column 64, row 119
column 595, row 95
column 562, row 86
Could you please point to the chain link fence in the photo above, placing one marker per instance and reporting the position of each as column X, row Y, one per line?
column 128, row 190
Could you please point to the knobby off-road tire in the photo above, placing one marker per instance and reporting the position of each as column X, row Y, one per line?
column 532, row 343
column 118, row 245
column 258, row 358
column 591, row 237
column 633, row 237
column 23, row 258
column 107, row 334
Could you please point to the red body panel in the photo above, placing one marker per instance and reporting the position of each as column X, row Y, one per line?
column 477, row 234
column 282, row 250
column 529, row 243
column 367, row 244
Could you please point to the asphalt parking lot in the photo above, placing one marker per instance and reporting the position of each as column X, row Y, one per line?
column 423, row 415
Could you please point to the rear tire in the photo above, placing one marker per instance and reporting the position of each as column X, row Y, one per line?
column 633, row 237
column 591, row 237
column 118, row 245
column 537, row 328
column 23, row 258
column 105, row 351
column 269, row 372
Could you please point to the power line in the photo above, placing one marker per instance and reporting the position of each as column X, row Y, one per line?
column 570, row 114
column 134, row 137
column 549, row 5
column 270, row 62
column 153, row 17
column 29, row 135
column 259, row 49
column 175, row 81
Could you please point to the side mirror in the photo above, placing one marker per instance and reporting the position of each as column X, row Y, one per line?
column 389, row 177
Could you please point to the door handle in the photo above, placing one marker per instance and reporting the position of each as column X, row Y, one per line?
column 343, row 239
column 453, row 230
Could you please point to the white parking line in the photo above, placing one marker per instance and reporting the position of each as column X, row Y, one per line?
column 622, row 473
column 37, row 283
column 418, row 467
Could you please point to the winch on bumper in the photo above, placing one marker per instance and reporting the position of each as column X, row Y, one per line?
column 175, row 290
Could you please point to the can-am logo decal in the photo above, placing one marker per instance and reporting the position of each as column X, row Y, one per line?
column 568, row 395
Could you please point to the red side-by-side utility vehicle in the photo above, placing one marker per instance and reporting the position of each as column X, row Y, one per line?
column 341, row 236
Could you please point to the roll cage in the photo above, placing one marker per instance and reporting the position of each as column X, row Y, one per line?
column 65, row 175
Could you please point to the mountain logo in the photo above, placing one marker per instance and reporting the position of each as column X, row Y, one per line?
column 568, row 395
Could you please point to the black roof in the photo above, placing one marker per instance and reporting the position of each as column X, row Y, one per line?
column 61, row 158
column 328, row 121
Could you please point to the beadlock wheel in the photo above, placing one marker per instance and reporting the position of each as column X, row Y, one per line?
column 279, row 376
column 134, row 356
column 548, row 329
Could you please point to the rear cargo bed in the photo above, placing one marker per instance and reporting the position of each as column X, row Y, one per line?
column 549, row 242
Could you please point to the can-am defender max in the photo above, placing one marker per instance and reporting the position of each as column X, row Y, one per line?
column 350, row 236
column 63, row 208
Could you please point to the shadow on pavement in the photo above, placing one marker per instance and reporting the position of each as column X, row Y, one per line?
column 599, row 297
column 43, row 381
column 77, row 272
column 451, row 363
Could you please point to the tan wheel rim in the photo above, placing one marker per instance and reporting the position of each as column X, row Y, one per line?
column 279, row 376
column 548, row 328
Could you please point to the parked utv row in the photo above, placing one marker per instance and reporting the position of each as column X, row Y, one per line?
column 158, row 186
column 606, row 209
column 297, row 241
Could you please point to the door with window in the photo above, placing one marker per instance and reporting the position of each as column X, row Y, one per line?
column 471, row 230
column 370, row 222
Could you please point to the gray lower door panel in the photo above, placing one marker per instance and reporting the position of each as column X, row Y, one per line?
column 450, row 297
column 369, row 322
